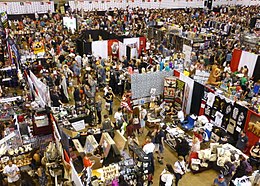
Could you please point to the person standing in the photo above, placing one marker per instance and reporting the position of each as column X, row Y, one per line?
column 13, row 174
column 166, row 177
column 143, row 116
column 242, row 141
column 55, row 99
column 240, row 170
column 159, row 143
column 228, row 171
column 107, row 126
column 78, row 59
column 119, row 118
column 76, row 95
column 194, row 149
column 88, row 164
column 148, row 149
column 99, row 108
column 109, row 100
column 179, row 169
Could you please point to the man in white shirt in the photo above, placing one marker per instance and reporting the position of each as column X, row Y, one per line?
column 78, row 58
column 13, row 173
column 148, row 148
column 119, row 117
column 106, row 89
column 143, row 114
column 84, row 60
column 179, row 169
column 167, row 176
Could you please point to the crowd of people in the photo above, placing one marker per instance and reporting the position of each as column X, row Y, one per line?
column 91, row 79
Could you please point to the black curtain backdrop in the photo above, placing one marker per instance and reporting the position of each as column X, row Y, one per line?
column 256, row 74
column 83, row 47
column 197, row 95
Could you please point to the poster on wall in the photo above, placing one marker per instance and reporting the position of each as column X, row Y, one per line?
column 179, row 92
column 169, row 88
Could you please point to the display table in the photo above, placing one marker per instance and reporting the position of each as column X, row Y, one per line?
column 172, row 133
column 215, row 157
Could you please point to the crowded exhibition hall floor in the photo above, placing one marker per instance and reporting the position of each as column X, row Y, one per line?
column 189, row 179
column 144, row 94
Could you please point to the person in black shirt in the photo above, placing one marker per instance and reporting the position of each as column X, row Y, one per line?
column 182, row 148
column 159, row 143
column 242, row 141
column 109, row 100
column 55, row 98
column 76, row 94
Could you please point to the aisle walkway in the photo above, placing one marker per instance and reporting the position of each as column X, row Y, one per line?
column 189, row 179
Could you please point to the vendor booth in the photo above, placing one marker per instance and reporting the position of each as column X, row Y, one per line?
column 103, row 44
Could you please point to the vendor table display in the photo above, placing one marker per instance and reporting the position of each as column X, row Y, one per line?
column 139, row 155
column 173, row 133
column 216, row 156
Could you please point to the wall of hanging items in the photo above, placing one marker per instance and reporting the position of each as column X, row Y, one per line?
column 174, row 91
column 224, row 113
column 169, row 89
column 179, row 94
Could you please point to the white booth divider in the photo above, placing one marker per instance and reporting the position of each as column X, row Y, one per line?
column 74, row 176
